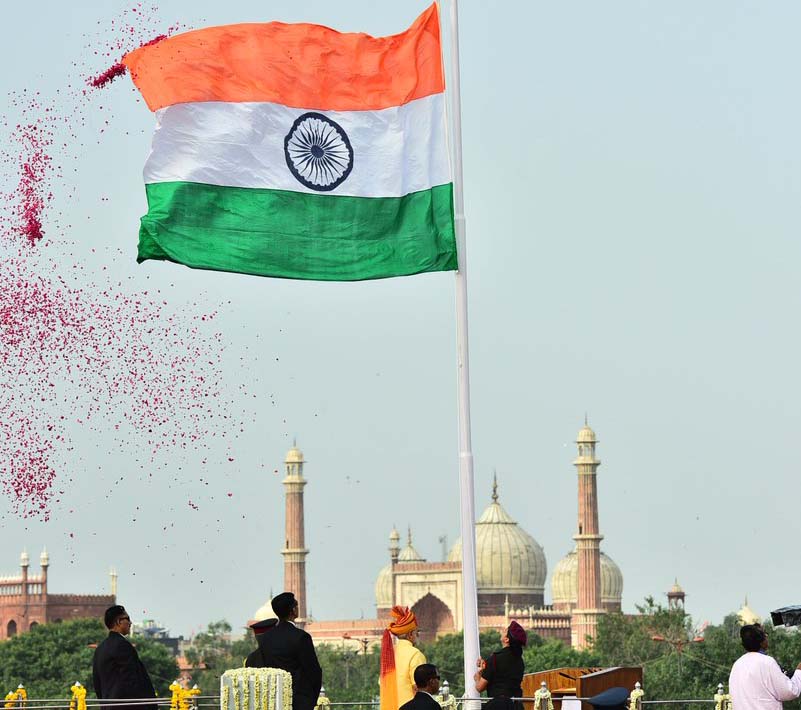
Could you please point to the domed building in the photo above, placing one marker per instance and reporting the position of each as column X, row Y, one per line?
column 746, row 615
column 511, row 571
column 564, row 583
column 510, row 564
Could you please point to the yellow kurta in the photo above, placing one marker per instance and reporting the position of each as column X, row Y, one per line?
column 407, row 658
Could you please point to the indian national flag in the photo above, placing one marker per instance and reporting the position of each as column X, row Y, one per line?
column 298, row 151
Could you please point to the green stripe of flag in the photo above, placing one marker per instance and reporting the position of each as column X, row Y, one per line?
column 297, row 235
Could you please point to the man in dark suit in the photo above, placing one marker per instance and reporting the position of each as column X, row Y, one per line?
column 426, row 680
column 283, row 645
column 117, row 671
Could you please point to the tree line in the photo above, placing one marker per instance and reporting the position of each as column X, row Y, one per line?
column 678, row 660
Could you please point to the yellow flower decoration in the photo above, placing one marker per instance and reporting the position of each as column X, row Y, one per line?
column 17, row 698
column 181, row 697
column 78, row 700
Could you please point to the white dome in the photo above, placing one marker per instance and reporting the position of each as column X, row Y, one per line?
column 408, row 553
column 564, row 583
column 294, row 455
column 265, row 611
column 383, row 587
column 746, row 615
column 508, row 559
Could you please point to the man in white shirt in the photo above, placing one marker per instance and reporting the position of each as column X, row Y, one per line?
column 756, row 682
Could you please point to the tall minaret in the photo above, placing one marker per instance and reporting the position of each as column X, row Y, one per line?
column 588, row 542
column 44, row 563
column 24, row 563
column 295, row 551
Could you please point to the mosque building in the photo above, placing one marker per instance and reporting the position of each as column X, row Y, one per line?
column 511, row 571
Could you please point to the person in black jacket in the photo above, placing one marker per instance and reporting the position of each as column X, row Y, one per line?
column 283, row 645
column 117, row 671
column 426, row 680
column 502, row 673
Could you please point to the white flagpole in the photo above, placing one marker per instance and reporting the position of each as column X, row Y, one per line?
column 467, row 504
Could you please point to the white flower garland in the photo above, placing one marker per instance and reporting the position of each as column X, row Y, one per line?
column 267, row 682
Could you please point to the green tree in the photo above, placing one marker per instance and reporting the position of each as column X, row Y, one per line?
column 447, row 654
column 660, row 640
column 677, row 662
column 349, row 674
column 213, row 652
column 543, row 654
column 49, row 658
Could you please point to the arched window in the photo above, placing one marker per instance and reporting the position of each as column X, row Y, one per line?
column 33, row 625
column 433, row 616
column 11, row 629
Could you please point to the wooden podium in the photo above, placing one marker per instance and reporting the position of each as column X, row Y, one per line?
column 578, row 682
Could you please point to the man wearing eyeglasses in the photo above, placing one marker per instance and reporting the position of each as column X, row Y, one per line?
column 426, row 680
column 117, row 671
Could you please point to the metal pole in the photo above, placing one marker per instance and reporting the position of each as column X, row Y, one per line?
column 466, row 498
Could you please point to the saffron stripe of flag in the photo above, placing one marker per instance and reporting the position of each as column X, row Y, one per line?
column 297, row 151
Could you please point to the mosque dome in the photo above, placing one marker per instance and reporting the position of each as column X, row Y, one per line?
column 747, row 615
column 408, row 553
column 564, row 583
column 294, row 455
column 586, row 436
column 265, row 611
column 383, row 587
column 508, row 559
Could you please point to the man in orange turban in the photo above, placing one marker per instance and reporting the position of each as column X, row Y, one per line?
column 399, row 658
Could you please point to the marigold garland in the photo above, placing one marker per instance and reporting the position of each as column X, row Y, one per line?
column 17, row 698
column 182, row 697
column 78, row 699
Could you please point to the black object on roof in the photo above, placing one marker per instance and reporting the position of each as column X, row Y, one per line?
column 787, row 615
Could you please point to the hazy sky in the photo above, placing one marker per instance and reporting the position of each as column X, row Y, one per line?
column 633, row 196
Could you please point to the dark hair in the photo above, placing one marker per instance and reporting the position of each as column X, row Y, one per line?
column 424, row 673
column 283, row 604
column 112, row 614
column 752, row 636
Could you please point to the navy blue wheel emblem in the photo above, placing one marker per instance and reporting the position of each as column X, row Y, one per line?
column 318, row 152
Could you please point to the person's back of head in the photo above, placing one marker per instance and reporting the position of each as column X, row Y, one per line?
column 284, row 606
column 113, row 613
column 424, row 674
column 753, row 637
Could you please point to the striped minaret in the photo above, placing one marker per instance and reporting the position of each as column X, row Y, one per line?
column 584, row 622
column 295, row 551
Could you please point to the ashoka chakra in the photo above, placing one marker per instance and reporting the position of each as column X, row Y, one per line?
column 318, row 152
